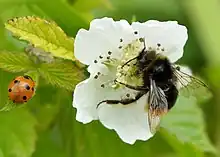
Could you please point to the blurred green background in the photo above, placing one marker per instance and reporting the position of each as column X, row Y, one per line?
column 46, row 126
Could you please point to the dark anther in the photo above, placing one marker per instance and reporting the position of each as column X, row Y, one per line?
column 141, row 39
column 96, row 76
column 120, row 47
column 135, row 32
column 108, row 57
column 102, row 85
column 109, row 52
column 158, row 44
column 121, row 40
column 127, row 95
column 100, row 57
column 95, row 61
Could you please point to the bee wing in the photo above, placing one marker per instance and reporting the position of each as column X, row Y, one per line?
column 188, row 83
column 157, row 105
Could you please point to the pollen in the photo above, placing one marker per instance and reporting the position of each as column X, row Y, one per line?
column 126, row 71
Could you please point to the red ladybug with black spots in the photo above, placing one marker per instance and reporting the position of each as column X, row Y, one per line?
column 21, row 89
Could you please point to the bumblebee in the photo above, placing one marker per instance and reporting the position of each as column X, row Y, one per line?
column 160, row 80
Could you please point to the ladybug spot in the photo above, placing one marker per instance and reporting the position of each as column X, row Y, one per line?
column 24, row 98
column 27, row 87
column 32, row 88
column 16, row 81
column 10, row 90
column 27, row 77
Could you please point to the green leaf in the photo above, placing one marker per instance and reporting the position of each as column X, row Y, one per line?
column 63, row 74
column 34, row 75
column 183, row 149
column 17, row 132
column 15, row 62
column 68, row 18
column 93, row 139
column 44, row 34
column 90, row 5
column 8, row 106
column 48, row 147
column 185, row 121
column 45, row 105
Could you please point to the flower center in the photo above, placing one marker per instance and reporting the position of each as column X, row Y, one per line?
column 127, row 68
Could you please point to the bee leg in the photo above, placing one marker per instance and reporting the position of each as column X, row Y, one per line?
column 138, row 88
column 123, row 101
column 128, row 62
column 141, row 53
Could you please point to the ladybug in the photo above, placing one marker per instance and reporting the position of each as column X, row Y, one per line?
column 21, row 89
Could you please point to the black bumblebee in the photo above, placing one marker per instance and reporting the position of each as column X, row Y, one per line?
column 160, row 78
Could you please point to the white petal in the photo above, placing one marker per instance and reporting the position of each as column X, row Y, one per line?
column 83, row 102
column 89, row 93
column 185, row 72
column 130, row 122
column 103, row 36
column 170, row 35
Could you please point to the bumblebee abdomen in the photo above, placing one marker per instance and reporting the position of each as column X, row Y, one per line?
column 171, row 95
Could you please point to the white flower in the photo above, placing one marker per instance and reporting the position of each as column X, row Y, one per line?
column 104, row 48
